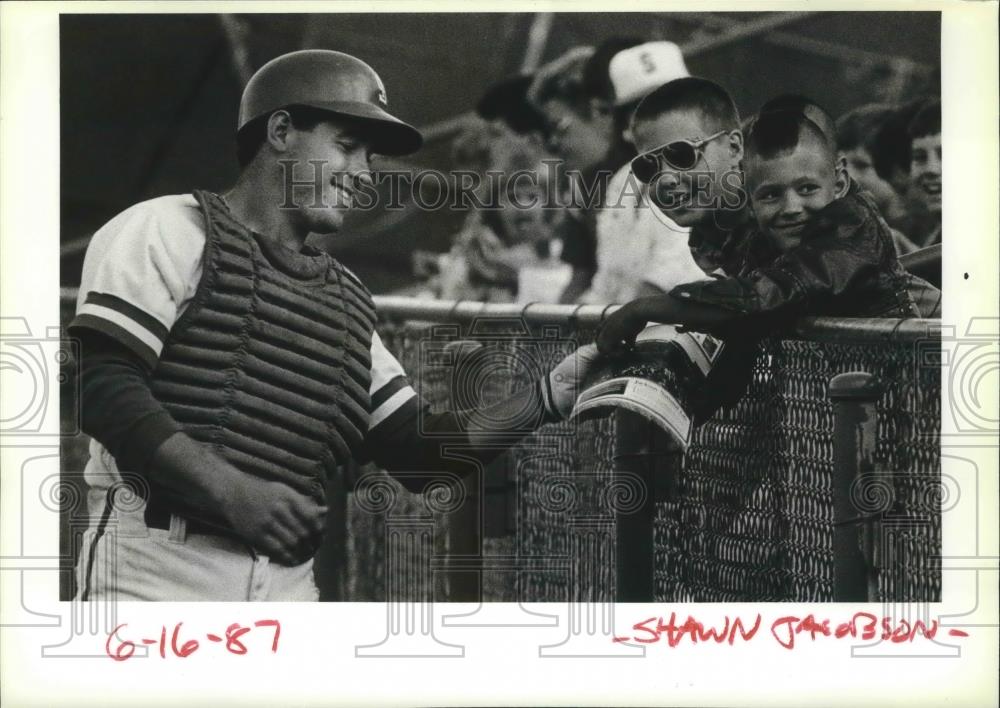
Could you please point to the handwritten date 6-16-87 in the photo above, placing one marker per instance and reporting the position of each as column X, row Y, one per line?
column 232, row 639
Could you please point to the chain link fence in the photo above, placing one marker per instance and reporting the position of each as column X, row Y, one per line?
column 747, row 515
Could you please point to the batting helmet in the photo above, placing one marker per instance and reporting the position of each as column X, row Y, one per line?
column 331, row 81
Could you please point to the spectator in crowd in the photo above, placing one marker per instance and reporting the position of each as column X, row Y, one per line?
column 514, row 232
column 890, row 151
column 857, row 131
column 691, row 141
column 925, row 167
column 856, row 137
column 634, row 255
column 577, row 133
column 507, row 102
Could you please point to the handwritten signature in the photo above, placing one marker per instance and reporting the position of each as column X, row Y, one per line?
column 784, row 630
column 122, row 649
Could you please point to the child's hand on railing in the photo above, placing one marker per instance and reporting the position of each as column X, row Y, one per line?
column 617, row 335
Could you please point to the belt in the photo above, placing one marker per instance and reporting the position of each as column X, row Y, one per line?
column 158, row 513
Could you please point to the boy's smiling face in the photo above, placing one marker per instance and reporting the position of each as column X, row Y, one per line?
column 788, row 189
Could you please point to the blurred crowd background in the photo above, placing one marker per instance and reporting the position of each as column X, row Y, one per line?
column 149, row 102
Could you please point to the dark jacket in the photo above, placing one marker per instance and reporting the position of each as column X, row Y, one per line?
column 717, row 246
column 845, row 266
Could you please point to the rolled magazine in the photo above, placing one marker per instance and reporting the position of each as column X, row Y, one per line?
column 657, row 380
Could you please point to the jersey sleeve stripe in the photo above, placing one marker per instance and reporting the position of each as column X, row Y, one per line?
column 124, row 322
column 393, row 404
column 111, row 328
column 387, row 390
column 113, row 302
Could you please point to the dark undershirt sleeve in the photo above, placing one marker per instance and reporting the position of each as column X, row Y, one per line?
column 417, row 443
column 117, row 407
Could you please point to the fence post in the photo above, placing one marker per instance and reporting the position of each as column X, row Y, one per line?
column 854, row 573
column 644, row 452
column 464, row 531
column 330, row 561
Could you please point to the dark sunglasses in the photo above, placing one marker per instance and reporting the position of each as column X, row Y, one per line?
column 680, row 155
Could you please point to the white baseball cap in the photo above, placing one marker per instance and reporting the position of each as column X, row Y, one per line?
column 636, row 71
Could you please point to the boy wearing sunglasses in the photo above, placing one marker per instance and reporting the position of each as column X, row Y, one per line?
column 690, row 145
column 820, row 246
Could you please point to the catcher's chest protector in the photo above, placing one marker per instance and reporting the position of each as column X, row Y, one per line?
column 271, row 363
